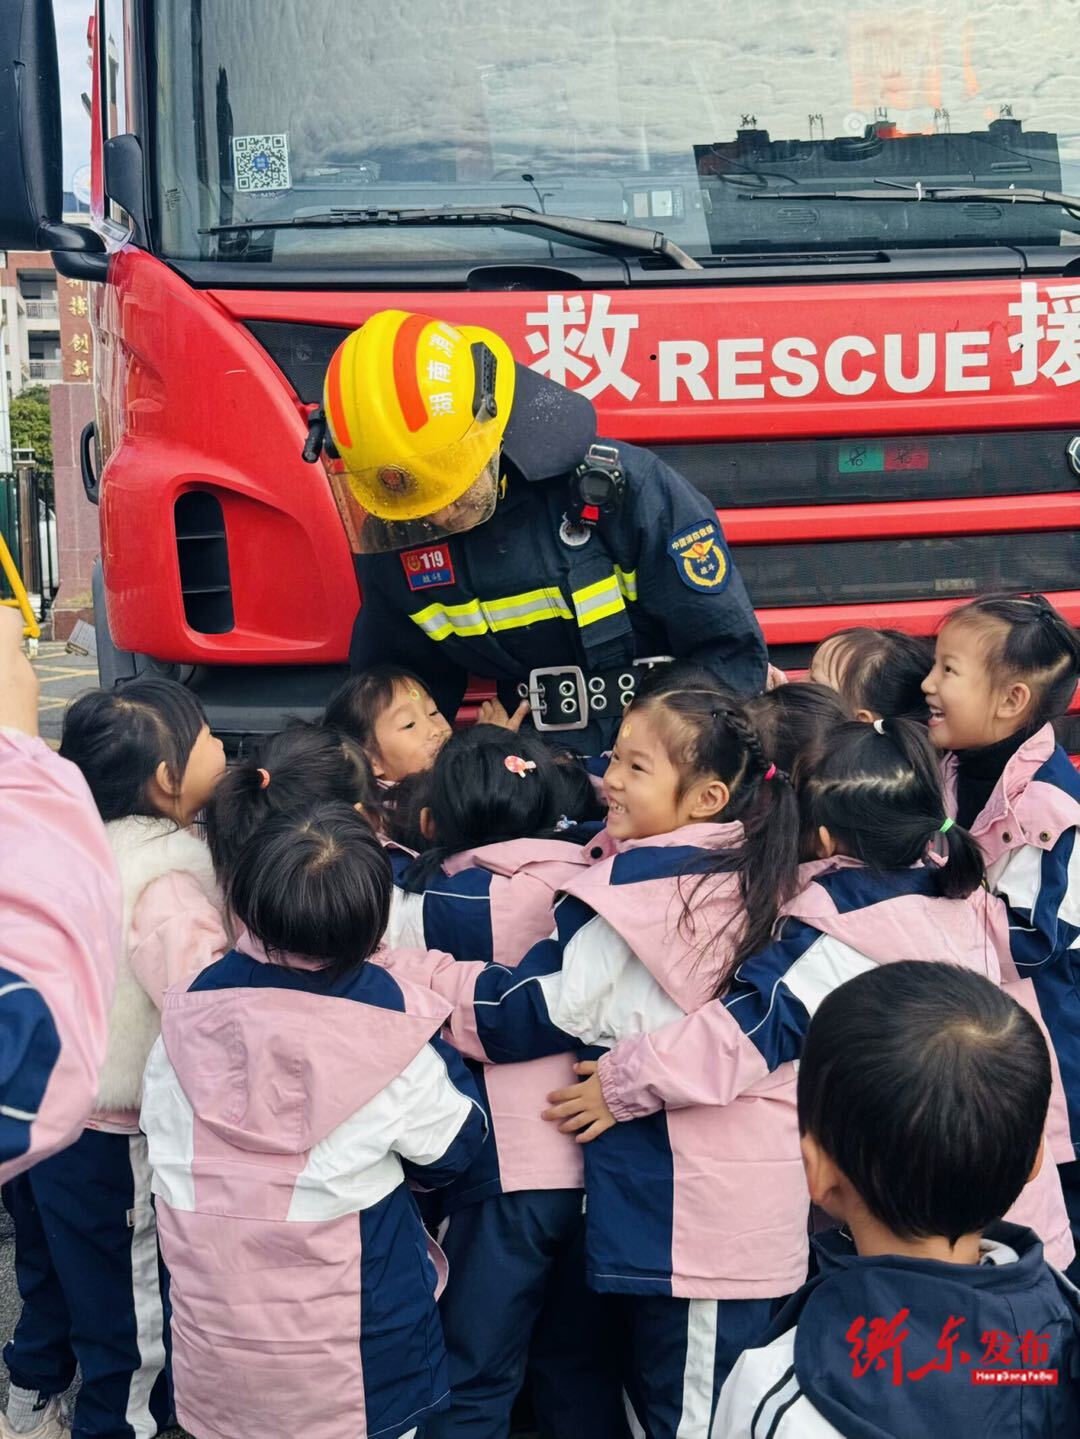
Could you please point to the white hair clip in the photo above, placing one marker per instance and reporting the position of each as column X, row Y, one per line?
column 879, row 725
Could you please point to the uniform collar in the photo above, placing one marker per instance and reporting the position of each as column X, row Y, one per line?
column 550, row 427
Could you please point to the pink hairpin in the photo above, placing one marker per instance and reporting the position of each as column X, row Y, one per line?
column 516, row 765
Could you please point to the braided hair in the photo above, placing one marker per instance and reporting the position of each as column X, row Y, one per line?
column 878, row 792
column 708, row 733
column 1027, row 640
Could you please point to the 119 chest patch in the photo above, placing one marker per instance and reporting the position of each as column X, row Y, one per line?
column 429, row 567
column 701, row 557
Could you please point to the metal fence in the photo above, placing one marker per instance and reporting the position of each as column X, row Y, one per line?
column 28, row 524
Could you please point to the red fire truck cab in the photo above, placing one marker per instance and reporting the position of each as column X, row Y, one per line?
column 839, row 289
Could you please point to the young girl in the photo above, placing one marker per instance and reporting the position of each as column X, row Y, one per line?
column 295, row 1092
column 85, row 1234
column 485, row 890
column 1004, row 668
column 878, row 673
column 696, row 1222
column 873, row 808
column 302, row 765
column 392, row 717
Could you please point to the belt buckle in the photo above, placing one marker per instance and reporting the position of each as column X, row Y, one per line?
column 573, row 674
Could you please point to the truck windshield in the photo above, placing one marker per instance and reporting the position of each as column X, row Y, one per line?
column 672, row 118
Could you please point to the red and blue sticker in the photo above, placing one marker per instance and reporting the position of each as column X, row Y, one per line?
column 427, row 568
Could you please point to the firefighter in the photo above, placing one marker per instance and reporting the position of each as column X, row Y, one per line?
column 496, row 536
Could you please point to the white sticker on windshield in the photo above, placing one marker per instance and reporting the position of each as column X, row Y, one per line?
column 261, row 162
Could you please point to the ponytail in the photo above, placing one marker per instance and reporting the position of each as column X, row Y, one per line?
column 293, row 771
column 879, row 792
column 707, row 732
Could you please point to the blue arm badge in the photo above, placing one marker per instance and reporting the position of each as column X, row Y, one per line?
column 701, row 557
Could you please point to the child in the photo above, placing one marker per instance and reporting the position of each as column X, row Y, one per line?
column 878, row 673
column 60, row 958
column 485, row 890
column 873, row 808
column 696, row 1222
column 298, row 767
column 922, row 1099
column 295, row 1091
column 86, row 1239
column 796, row 720
column 389, row 713
column 1004, row 668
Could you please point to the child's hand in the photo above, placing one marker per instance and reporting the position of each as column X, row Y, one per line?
column 18, row 682
column 581, row 1107
column 494, row 712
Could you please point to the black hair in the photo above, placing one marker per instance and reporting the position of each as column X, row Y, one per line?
column 678, row 675
column 302, row 765
column 580, row 802
column 475, row 798
column 794, row 719
column 401, row 807
column 882, row 671
column 1027, row 639
column 877, row 789
column 356, row 706
column 928, row 1087
column 316, row 884
column 118, row 738
column 707, row 732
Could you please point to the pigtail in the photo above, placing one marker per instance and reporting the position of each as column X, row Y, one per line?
column 963, row 870
column 769, row 859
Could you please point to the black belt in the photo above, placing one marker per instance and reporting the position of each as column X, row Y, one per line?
column 567, row 697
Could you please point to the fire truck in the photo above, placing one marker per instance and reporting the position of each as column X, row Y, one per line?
column 824, row 259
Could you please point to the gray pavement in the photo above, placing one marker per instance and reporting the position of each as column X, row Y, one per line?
column 62, row 677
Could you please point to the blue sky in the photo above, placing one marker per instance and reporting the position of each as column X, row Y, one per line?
column 71, row 21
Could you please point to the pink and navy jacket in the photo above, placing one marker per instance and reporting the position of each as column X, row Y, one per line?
column 846, row 919
column 492, row 905
column 60, row 901
column 286, row 1118
column 695, row 1203
column 1028, row 835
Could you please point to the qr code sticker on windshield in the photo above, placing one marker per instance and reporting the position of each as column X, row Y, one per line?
column 261, row 162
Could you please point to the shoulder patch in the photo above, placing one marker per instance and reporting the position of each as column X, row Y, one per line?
column 428, row 567
column 701, row 557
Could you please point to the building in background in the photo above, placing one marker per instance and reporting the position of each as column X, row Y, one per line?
column 44, row 319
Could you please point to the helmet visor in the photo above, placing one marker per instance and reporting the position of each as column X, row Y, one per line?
column 371, row 535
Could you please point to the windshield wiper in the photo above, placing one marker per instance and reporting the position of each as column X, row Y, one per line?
column 611, row 234
column 938, row 194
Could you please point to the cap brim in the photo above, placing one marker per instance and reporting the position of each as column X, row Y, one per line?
column 550, row 427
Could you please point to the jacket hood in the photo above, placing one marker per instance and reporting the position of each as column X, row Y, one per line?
column 273, row 1069
column 515, row 855
column 897, row 914
column 1013, row 1295
column 641, row 890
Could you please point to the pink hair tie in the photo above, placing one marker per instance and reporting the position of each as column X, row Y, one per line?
column 264, row 778
column 770, row 773
column 516, row 765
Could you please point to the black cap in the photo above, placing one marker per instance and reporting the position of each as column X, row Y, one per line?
column 550, row 427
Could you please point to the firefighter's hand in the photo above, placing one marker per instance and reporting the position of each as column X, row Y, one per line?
column 581, row 1109
column 494, row 712
column 18, row 682
column 775, row 678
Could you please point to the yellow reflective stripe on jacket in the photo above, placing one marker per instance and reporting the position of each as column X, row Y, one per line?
column 511, row 612
column 595, row 602
column 598, row 601
column 627, row 583
column 440, row 621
